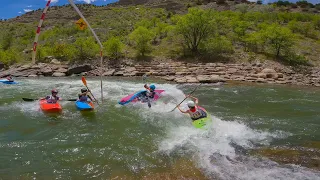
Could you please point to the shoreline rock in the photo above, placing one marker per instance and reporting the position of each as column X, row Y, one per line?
column 179, row 72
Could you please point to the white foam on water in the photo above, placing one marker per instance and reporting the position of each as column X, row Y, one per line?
column 215, row 151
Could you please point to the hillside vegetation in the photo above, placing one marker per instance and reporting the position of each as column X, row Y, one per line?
column 205, row 32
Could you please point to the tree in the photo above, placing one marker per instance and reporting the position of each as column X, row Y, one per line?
column 259, row 2
column 7, row 41
column 240, row 28
column 113, row 47
column 280, row 39
column 254, row 42
column 85, row 48
column 141, row 37
column 195, row 27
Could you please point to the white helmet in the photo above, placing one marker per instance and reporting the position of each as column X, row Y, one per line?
column 191, row 104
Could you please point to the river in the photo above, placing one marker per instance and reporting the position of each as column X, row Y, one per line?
column 135, row 142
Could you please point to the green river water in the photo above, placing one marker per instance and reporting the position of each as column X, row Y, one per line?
column 135, row 142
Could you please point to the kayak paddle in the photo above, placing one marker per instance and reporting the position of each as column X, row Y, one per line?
column 84, row 81
column 186, row 98
column 28, row 99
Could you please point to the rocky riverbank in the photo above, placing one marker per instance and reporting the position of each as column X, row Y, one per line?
column 179, row 72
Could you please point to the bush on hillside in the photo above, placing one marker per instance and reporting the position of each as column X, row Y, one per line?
column 9, row 56
column 279, row 39
column 195, row 28
column 114, row 48
column 218, row 45
column 141, row 38
column 84, row 49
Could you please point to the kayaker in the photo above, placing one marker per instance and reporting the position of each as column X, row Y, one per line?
column 84, row 95
column 148, row 95
column 53, row 98
column 10, row 79
column 194, row 110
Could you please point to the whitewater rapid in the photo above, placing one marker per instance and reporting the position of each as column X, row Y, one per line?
column 221, row 152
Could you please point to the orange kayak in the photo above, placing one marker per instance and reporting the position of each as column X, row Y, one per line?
column 50, row 107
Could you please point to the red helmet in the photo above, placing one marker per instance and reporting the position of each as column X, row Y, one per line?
column 54, row 91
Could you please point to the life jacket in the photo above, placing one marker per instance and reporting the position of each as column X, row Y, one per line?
column 83, row 98
column 151, row 94
column 51, row 99
column 198, row 114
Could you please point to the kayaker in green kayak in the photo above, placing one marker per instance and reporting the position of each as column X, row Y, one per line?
column 195, row 111
column 84, row 96
column 53, row 98
column 148, row 95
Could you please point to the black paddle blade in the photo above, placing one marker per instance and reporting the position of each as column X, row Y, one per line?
column 72, row 100
column 28, row 99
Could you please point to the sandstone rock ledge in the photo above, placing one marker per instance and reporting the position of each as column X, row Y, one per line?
column 179, row 72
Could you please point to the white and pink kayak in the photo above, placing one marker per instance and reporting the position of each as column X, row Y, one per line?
column 135, row 97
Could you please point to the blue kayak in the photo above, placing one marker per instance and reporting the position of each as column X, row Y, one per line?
column 84, row 106
column 5, row 81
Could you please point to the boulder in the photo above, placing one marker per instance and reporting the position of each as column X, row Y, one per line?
column 95, row 72
column 281, row 82
column 268, row 71
column 130, row 69
column 130, row 73
column 119, row 73
column 209, row 79
column 181, row 73
column 58, row 74
column 62, row 70
column 77, row 69
column 46, row 71
column 26, row 66
column 169, row 78
column 216, row 78
column 261, row 80
column 218, row 73
column 24, row 73
column 192, row 80
column 180, row 80
column 109, row 72
column 280, row 75
column 232, row 70
column 261, row 75
column 55, row 61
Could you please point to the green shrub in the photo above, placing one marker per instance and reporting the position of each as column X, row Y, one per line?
column 195, row 28
column 113, row 47
column 218, row 45
column 141, row 38
column 85, row 48
column 10, row 56
column 279, row 39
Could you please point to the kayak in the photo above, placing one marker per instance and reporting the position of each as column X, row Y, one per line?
column 50, row 107
column 5, row 81
column 202, row 123
column 134, row 97
column 84, row 106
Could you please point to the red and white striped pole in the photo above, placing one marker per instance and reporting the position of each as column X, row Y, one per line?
column 35, row 43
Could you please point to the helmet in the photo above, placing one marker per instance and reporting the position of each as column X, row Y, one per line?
column 191, row 104
column 54, row 91
column 153, row 87
column 84, row 90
